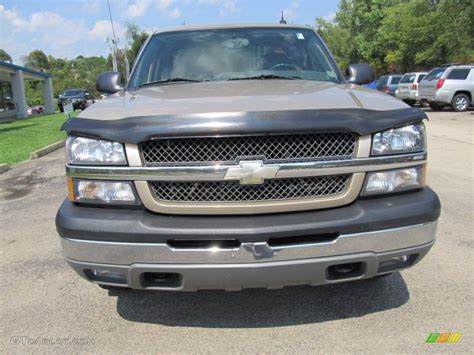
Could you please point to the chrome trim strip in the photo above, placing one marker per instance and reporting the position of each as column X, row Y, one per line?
column 129, row 253
column 349, row 194
column 218, row 172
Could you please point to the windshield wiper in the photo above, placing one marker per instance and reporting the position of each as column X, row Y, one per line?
column 268, row 76
column 170, row 80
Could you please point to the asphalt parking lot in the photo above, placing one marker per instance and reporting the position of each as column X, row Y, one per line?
column 42, row 298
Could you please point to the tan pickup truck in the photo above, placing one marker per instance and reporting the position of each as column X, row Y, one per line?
column 239, row 156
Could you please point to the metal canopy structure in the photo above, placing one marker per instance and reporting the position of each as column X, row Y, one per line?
column 13, row 99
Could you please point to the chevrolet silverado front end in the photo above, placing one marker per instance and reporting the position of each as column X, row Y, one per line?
column 238, row 156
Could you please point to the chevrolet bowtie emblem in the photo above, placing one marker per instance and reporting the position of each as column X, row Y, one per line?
column 251, row 172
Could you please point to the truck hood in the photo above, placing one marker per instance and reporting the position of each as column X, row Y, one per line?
column 239, row 96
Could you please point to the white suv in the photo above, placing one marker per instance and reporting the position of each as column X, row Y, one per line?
column 448, row 85
column 408, row 88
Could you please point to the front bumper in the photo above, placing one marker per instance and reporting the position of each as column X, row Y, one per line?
column 266, row 273
column 137, row 249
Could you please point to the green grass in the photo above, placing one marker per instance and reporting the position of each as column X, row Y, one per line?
column 18, row 139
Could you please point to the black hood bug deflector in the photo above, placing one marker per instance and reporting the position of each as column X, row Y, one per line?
column 138, row 129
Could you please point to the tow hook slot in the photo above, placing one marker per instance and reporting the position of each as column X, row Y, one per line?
column 160, row 280
column 345, row 271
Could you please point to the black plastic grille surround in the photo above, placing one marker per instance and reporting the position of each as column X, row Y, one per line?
column 233, row 191
column 298, row 147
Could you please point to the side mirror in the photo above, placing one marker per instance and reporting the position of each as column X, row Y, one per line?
column 109, row 82
column 360, row 74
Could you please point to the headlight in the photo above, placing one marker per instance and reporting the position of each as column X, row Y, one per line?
column 87, row 151
column 96, row 191
column 407, row 139
column 394, row 180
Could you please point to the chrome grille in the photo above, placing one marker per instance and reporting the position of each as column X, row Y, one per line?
column 301, row 147
column 270, row 190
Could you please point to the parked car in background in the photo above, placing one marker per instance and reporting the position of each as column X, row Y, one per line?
column 448, row 85
column 372, row 85
column 80, row 98
column 35, row 110
column 408, row 88
column 388, row 83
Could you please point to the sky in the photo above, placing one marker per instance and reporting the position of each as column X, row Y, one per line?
column 69, row 28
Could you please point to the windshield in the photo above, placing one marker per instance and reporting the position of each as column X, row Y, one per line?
column 435, row 74
column 72, row 93
column 232, row 54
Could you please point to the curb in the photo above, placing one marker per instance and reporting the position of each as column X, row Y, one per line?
column 46, row 150
column 4, row 168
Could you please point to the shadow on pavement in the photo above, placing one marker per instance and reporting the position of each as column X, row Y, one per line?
column 8, row 129
column 254, row 308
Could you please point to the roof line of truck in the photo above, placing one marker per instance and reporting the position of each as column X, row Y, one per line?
column 229, row 26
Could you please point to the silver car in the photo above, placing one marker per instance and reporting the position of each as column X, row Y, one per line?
column 448, row 85
column 388, row 83
column 408, row 88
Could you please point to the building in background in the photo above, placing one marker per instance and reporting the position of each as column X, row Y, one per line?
column 12, row 91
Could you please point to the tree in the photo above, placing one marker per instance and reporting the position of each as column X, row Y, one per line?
column 80, row 72
column 352, row 35
column 338, row 40
column 362, row 19
column 421, row 34
column 37, row 60
column 5, row 56
column 136, row 39
column 401, row 35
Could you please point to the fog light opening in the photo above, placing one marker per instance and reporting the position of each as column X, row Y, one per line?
column 106, row 276
column 397, row 262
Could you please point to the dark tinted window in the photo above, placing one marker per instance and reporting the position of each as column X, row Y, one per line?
column 458, row 74
column 420, row 78
column 382, row 81
column 395, row 80
column 408, row 78
column 435, row 74
column 72, row 93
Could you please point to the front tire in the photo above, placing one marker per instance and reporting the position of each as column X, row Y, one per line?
column 460, row 103
column 436, row 107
